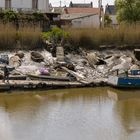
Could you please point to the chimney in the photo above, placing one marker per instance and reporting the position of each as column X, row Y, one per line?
column 71, row 4
column 91, row 4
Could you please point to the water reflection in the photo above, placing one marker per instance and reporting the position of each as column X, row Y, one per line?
column 128, row 108
column 73, row 114
column 123, row 94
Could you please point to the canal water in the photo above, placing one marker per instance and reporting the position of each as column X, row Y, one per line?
column 70, row 114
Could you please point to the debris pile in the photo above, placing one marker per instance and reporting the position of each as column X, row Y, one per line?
column 87, row 67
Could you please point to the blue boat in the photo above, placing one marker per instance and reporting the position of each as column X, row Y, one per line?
column 129, row 80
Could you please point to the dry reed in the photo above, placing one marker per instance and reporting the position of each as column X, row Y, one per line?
column 92, row 37
column 24, row 38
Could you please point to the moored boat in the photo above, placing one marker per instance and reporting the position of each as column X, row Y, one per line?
column 131, row 80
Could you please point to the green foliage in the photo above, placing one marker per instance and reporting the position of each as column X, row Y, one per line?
column 38, row 16
column 128, row 10
column 9, row 15
column 107, row 20
column 56, row 34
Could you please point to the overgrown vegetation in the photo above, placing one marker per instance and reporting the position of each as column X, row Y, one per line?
column 128, row 10
column 93, row 38
column 21, row 19
column 24, row 38
column 107, row 21
column 90, row 38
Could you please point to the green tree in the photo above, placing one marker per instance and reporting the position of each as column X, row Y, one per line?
column 107, row 20
column 128, row 10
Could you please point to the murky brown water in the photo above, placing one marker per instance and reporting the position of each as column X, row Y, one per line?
column 71, row 114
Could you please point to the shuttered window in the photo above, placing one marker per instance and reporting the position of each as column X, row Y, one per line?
column 35, row 4
column 7, row 3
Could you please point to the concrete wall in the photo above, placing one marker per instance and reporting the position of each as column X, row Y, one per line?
column 43, row 5
column 91, row 21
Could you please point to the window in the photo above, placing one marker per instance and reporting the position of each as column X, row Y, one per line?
column 7, row 3
column 34, row 4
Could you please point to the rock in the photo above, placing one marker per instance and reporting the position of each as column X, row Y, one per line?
column 125, row 58
column 15, row 61
column 92, row 59
column 70, row 66
column 134, row 67
column 48, row 43
column 112, row 60
column 125, row 63
column 37, row 57
column 4, row 59
column 20, row 54
column 28, row 69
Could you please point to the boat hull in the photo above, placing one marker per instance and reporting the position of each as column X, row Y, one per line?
column 124, row 82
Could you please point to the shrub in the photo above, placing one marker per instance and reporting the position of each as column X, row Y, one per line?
column 56, row 34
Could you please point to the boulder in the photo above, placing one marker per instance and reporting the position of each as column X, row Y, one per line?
column 125, row 58
column 37, row 57
column 93, row 59
column 15, row 61
column 20, row 54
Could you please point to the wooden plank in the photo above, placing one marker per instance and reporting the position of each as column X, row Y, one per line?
column 36, row 84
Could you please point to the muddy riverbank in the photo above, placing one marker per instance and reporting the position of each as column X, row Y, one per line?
column 91, row 68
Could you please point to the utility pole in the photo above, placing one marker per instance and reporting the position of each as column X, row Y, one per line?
column 60, row 3
column 100, row 14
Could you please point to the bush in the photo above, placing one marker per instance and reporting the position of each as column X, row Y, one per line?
column 56, row 35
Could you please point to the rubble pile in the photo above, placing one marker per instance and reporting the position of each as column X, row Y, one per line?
column 87, row 67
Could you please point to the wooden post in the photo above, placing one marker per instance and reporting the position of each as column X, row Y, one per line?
column 60, row 54
column 100, row 14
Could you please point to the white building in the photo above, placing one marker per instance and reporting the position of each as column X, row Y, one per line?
column 81, row 17
column 82, row 20
column 41, row 5
column 111, row 12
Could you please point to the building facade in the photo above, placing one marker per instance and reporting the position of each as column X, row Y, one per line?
column 110, row 11
column 81, row 20
column 81, row 5
column 82, row 17
column 27, row 5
